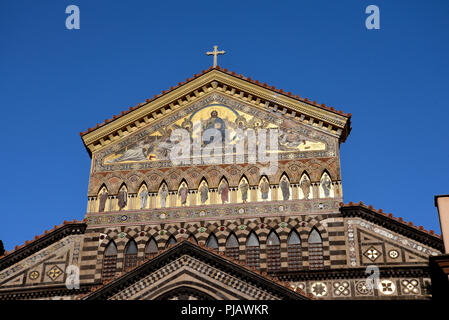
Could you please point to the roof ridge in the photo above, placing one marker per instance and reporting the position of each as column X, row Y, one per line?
column 37, row 237
column 390, row 216
column 225, row 70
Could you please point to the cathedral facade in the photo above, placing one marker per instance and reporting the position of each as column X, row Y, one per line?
column 222, row 188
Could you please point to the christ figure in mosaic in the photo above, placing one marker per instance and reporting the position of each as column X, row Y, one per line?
column 122, row 198
column 204, row 192
column 143, row 198
column 244, row 189
column 163, row 193
column 223, row 190
column 285, row 188
column 264, row 189
column 183, row 194
column 305, row 187
column 103, row 197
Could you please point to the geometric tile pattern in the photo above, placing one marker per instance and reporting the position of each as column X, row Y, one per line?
column 143, row 287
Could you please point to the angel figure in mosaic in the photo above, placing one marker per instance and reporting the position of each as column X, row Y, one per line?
column 137, row 152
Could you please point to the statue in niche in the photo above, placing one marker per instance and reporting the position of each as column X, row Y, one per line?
column 204, row 192
column 143, row 197
column 264, row 189
column 326, row 184
column 122, row 198
column 182, row 193
column 244, row 189
column 305, row 187
column 163, row 193
column 103, row 198
column 285, row 188
column 223, row 190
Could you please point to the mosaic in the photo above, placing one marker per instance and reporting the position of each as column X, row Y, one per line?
column 384, row 233
column 151, row 147
column 57, row 249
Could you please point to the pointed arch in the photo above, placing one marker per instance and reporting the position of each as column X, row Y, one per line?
column 305, row 186
column 192, row 237
column 315, row 243
column 109, row 261
column 273, row 252
column 223, row 190
column 122, row 197
column 171, row 240
column 102, row 198
column 212, row 242
column 326, row 185
column 151, row 249
column 162, row 195
column 142, row 196
column 130, row 255
column 294, row 251
column 244, row 190
column 232, row 247
column 203, row 192
column 253, row 251
column 183, row 194
column 285, row 189
column 264, row 193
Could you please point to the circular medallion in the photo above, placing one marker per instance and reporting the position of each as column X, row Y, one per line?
column 393, row 254
column 34, row 275
column 122, row 235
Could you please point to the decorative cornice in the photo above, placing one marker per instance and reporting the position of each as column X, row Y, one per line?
column 43, row 292
column 354, row 273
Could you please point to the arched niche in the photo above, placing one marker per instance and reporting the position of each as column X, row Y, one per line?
column 285, row 188
column 182, row 199
column 326, row 186
column 305, row 187
column 143, row 198
column 103, row 201
column 243, row 194
column 264, row 191
column 203, row 195
column 163, row 196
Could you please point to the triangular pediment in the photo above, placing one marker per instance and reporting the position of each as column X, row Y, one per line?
column 187, row 269
column 152, row 144
column 230, row 90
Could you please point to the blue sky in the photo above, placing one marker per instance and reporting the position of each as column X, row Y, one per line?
column 56, row 82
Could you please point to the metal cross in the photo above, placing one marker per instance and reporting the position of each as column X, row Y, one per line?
column 215, row 53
